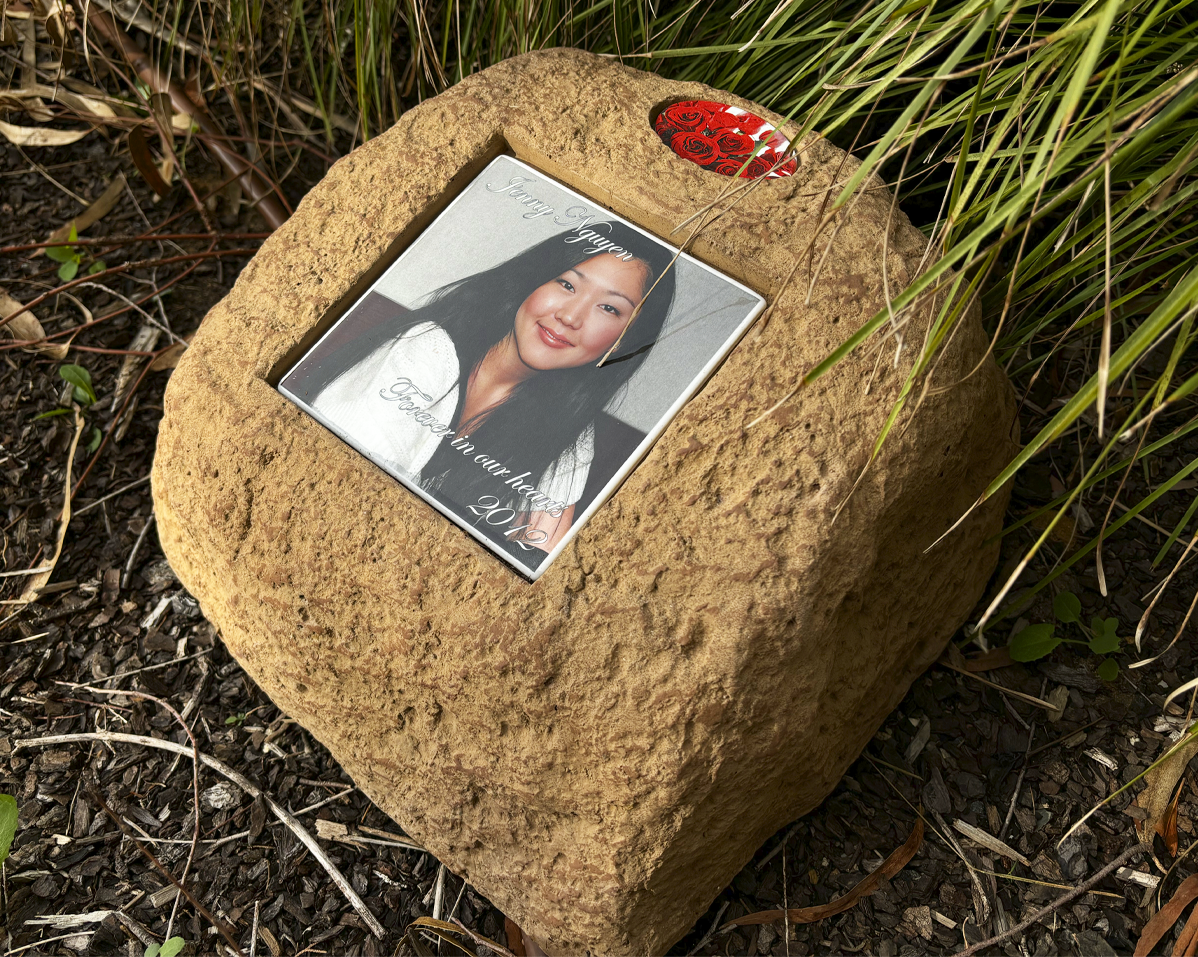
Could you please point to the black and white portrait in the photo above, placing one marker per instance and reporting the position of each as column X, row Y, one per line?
column 519, row 357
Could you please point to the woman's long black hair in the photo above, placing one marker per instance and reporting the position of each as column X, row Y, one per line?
column 542, row 418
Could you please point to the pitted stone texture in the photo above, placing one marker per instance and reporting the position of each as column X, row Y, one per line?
column 601, row 751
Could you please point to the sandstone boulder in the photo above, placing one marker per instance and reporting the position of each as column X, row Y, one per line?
column 600, row 751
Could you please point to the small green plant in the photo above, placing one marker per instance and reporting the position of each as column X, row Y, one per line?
column 168, row 948
column 1039, row 641
column 83, row 393
column 236, row 719
column 72, row 258
column 8, row 824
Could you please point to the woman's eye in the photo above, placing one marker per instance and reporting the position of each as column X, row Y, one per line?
column 611, row 310
column 565, row 284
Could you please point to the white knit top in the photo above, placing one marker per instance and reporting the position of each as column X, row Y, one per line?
column 361, row 406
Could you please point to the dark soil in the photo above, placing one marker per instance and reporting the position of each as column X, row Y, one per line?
column 955, row 750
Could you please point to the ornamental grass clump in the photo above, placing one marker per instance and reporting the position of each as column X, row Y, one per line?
column 1046, row 150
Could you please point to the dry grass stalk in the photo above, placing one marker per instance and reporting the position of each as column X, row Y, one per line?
column 38, row 582
column 242, row 782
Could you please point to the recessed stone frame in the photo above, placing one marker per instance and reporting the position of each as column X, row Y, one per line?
column 601, row 751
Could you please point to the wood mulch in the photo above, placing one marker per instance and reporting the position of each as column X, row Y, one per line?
column 116, row 620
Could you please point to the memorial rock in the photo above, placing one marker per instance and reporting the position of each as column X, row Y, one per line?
column 601, row 750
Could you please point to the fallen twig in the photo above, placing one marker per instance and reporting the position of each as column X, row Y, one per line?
column 711, row 931
column 442, row 929
column 242, row 782
column 983, row 902
column 336, row 831
column 145, row 529
column 195, row 782
column 137, row 671
column 193, row 258
column 225, row 931
column 480, row 939
column 1055, row 905
column 1002, row 832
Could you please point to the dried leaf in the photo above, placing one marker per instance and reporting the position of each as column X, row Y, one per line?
column 1167, row 827
column 28, row 55
column 515, row 937
column 170, row 357
column 94, row 213
column 39, row 581
column 897, row 860
column 26, row 328
column 59, row 22
column 166, row 169
column 139, row 149
column 1164, row 919
column 1160, row 782
column 443, row 929
column 1187, row 940
column 994, row 658
column 78, row 102
column 40, row 136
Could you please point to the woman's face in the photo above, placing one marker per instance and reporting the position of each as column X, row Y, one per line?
column 574, row 319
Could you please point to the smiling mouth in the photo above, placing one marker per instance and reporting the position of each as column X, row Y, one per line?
column 551, row 339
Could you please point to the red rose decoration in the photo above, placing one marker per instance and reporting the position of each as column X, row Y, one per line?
column 776, row 141
column 723, row 120
column 729, row 165
column 683, row 116
column 712, row 136
column 759, row 166
column 695, row 147
column 732, row 143
column 785, row 169
column 753, row 125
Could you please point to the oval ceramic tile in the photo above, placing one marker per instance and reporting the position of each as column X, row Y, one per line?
column 724, row 138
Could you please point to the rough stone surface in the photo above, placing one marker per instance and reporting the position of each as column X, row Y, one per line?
column 601, row 751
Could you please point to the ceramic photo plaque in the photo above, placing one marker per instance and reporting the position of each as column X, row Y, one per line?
column 519, row 358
